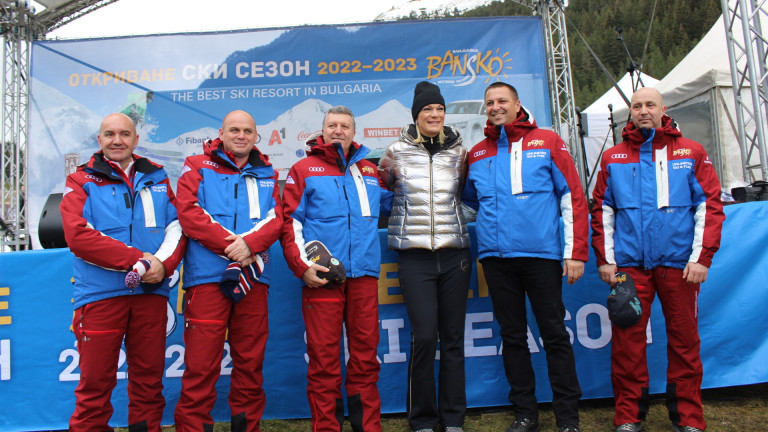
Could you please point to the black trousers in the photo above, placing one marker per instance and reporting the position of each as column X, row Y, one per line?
column 509, row 281
column 435, row 286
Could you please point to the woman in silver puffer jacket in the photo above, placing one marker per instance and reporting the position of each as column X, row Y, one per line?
column 425, row 169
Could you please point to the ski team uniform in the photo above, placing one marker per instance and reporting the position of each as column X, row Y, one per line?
column 336, row 200
column 657, row 207
column 524, row 180
column 110, row 219
column 216, row 198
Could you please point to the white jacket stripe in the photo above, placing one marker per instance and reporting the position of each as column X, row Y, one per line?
column 698, row 231
column 298, row 239
column 516, row 166
column 170, row 241
column 609, row 221
column 149, row 208
column 566, row 209
column 662, row 178
column 252, row 185
column 362, row 192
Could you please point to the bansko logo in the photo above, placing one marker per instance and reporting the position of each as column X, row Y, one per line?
column 465, row 64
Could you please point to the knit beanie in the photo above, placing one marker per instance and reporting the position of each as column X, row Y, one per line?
column 425, row 94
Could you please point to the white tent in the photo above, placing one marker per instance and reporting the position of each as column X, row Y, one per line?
column 596, row 119
column 698, row 93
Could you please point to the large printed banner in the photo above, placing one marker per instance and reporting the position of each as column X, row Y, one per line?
column 39, row 362
column 179, row 87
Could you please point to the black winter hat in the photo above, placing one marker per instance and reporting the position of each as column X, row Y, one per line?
column 319, row 254
column 425, row 94
column 624, row 307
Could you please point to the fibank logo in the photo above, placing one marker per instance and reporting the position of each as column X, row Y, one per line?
column 211, row 163
column 93, row 177
column 478, row 153
column 682, row 152
column 368, row 170
column 707, row 160
column 316, row 169
column 536, row 143
column 464, row 65
column 619, row 156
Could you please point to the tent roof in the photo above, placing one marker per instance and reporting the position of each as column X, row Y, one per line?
column 613, row 97
column 706, row 66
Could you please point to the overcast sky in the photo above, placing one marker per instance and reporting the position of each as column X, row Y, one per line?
column 135, row 17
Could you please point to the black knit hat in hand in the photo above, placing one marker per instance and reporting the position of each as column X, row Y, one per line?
column 425, row 94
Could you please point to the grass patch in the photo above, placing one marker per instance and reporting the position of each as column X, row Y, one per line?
column 730, row 409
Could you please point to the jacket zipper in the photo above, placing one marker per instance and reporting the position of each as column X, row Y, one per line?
column 236, row 185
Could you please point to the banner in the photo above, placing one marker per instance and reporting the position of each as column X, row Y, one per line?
column 178, row 88
column 39, row 362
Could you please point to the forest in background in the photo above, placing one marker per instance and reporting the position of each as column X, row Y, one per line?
column 676, row 28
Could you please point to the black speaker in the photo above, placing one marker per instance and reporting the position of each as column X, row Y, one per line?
column 50, row 230
column 757, row 191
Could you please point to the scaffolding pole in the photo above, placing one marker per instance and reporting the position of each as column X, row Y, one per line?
column 17, row 34
column 560, row 78
column 747, row 54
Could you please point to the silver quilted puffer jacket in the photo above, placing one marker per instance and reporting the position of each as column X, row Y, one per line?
column 426, row 212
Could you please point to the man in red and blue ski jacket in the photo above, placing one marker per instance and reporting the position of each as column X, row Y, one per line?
column 334, row 196
column 523, row 181
column 657, row 216
column 229, row 207
column 119, row 209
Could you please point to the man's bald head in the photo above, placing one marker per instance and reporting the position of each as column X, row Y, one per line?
column 647, row 108
column 117, row 138
column 238, row 134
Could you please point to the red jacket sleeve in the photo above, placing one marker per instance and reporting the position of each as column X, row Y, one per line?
column 708, row 215
column 85, row 241
column 292, row 238
column 197, row 223
column 602, row 219
column 574, row 208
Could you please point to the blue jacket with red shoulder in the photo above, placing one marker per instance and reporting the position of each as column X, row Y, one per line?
column 522, row 180
column 656, row 201
column 216, row 199
column 110, row 221
column 336, row 200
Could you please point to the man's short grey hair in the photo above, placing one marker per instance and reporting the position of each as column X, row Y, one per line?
column 340, row 109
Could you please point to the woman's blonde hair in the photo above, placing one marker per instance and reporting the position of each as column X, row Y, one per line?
column 420, row 139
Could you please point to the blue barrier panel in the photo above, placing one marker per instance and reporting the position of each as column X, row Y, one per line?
column 38, row 360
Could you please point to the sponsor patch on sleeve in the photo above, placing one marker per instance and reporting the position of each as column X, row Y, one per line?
column 289, row 180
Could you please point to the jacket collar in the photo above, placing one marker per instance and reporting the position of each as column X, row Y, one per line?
column 634, row 136
column 515, row 130
column 215, row 150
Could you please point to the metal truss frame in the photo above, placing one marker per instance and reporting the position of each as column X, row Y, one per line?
column 17, row 34
column 748, row 53
column 560, row 80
